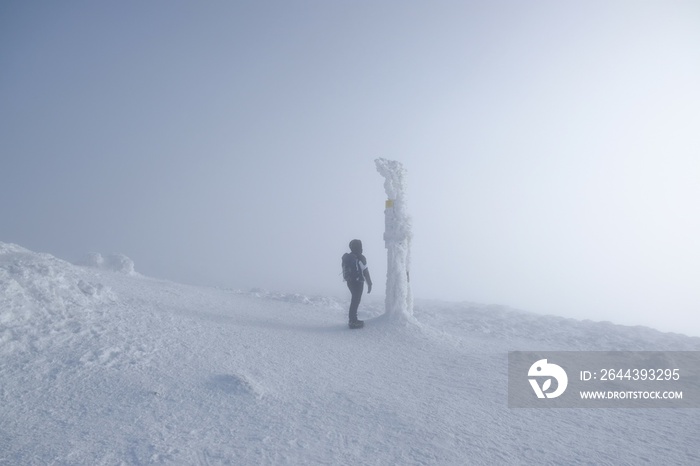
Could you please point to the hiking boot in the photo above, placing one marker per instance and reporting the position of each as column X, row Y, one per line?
column 356, row 324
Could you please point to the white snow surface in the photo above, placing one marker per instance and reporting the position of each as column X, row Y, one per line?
column 99, row 367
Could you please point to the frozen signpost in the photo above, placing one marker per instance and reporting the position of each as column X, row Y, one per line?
column 397, row 240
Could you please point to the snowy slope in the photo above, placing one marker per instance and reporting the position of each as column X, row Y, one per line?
column 99, row 365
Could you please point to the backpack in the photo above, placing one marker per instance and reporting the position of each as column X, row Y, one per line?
column 351, row 268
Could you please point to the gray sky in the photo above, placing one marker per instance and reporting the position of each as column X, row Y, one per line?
column 552, row 148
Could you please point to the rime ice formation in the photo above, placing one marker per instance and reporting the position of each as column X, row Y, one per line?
column 113, row 262
column 397, row 240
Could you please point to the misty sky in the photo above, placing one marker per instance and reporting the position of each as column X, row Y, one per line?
column 552, row 148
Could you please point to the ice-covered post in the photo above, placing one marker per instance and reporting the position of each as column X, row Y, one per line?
column 397, row 240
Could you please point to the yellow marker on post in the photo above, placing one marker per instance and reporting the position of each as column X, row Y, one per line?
column 389, row 204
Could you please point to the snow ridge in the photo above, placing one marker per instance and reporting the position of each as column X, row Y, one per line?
column 296, row 298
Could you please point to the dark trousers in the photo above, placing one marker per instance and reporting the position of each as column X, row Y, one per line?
column 356, row 289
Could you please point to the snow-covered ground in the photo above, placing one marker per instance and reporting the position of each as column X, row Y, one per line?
column 99, row 365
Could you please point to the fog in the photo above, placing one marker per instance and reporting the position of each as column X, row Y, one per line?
column 551, row 147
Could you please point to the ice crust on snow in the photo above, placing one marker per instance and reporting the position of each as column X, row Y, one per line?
column 158, row 372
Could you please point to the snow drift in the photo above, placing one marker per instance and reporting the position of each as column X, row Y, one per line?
column 101, row 367
column 42, row 296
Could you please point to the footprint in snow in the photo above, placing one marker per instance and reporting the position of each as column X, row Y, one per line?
column 232, row 384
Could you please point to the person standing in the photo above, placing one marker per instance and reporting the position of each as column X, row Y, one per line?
column 355, row 273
